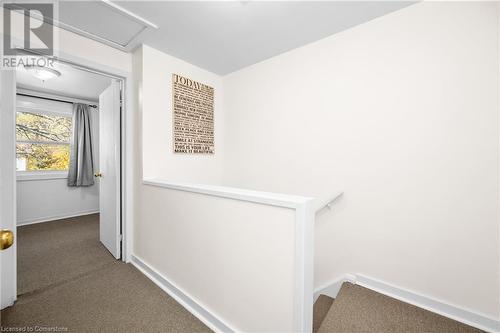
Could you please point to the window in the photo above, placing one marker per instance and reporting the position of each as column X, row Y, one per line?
column 43, row 141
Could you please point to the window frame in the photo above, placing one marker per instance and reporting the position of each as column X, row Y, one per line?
column 37, row 106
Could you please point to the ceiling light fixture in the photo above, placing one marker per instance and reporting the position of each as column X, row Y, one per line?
column 42, row 73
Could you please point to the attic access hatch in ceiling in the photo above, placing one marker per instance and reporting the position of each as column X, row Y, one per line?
column 103, row 21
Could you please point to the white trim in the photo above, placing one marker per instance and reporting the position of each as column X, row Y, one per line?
column 183, row 298
column 127, row 165
column 304, row 267
column 23, row 176
column 466, row 316
column 267, row 198
column 332, row 288
column 56, row 217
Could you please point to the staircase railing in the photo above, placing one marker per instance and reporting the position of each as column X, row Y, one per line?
column 328, row 203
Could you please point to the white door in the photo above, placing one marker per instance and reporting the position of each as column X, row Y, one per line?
column 8, row 257
column 108, row 174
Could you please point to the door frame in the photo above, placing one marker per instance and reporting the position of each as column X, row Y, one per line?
column 126, row 142
column 126, row 161
column 8, row 212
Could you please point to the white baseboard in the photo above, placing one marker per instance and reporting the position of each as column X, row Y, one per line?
column 332, row 288
column 188, row 302
column 468, row 317
column 56, row 217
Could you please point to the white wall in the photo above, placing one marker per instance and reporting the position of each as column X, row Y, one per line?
column 402, row 114
column 159, row 160
column 235, row 258
column 52, row 199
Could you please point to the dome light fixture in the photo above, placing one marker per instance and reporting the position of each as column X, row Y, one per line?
column 42, row 73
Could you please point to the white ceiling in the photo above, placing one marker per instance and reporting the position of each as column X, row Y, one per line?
column 222, row 36
column 73, row 82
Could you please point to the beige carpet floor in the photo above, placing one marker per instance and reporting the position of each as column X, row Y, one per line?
column 54, row 252
column 67, row 279
column 360, row 310
column 321, row 307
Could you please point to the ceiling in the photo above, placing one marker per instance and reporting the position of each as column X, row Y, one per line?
column 220, row 36
column 73, row 82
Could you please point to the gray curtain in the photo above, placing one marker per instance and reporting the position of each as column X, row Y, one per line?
column 81, row 163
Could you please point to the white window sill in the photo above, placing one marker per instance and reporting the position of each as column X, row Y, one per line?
column 40, row 175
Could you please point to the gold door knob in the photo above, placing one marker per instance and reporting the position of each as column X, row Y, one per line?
column 6, row 239
column 97, row 174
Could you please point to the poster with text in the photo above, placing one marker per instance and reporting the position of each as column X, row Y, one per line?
column 193, row 116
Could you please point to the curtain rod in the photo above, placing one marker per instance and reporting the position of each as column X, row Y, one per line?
column 53, row 99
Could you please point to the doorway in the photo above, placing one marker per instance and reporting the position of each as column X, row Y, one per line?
column 56, row 221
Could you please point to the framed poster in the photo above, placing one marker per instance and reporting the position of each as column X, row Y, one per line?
column 193, row 116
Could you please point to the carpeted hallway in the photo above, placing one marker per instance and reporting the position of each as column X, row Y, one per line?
column 68, row 280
